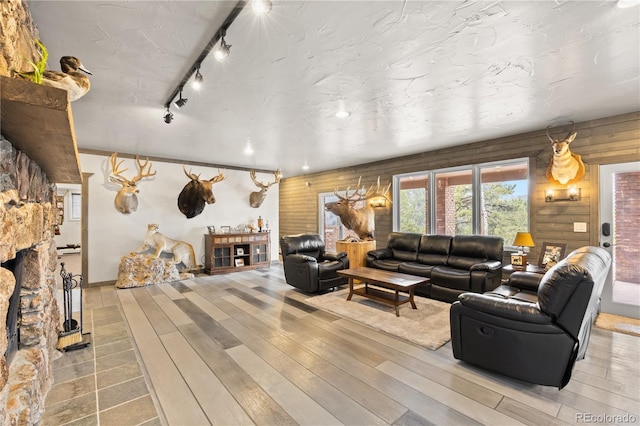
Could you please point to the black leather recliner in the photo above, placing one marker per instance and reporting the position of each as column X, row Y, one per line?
column 534, row 327
column 308, row 266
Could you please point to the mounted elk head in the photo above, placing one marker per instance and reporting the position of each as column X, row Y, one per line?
column 126, row 200
column 564, row 167
column 360, row 220
column 196, row 193
column 256, row 198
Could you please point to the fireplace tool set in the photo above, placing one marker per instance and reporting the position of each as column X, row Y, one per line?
column 72, row 337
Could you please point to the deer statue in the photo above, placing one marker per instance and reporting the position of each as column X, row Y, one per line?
column 126, row 200
column 359, row 220
column 196, row 193
column 256, row 198
column 564, row 167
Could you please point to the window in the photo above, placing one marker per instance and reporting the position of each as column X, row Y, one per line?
column 486, row 199
column 76, row 206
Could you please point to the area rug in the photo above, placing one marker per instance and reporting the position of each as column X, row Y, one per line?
column 618, row 323
column 427, row 326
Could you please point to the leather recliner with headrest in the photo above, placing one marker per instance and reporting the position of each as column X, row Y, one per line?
column 530, row 332
column 308, row 266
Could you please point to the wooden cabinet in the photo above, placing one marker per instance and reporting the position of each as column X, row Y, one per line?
column 236, row 252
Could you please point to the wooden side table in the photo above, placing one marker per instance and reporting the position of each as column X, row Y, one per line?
column 507, row 270
column 356, row 251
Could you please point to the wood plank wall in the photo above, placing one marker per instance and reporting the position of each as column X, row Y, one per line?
column 602, row 141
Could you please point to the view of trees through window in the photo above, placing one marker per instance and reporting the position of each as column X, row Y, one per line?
column 497, row 205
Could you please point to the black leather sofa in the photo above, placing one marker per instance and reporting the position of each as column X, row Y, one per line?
column 308, row 266
column 534, row 327
column 455, row 264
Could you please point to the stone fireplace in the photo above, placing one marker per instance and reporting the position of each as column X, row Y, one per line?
column 37, row 148
column 27, row 229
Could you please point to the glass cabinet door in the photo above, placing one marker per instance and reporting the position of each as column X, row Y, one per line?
column 222, row 256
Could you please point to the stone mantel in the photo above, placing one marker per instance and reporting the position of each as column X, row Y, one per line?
column 38, row 121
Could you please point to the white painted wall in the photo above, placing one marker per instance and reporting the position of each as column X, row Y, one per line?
column 113, row 234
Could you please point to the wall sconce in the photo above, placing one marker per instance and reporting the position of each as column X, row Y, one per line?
column 571, row 193
column 376, row 202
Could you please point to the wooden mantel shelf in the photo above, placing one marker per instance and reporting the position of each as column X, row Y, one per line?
column 38, row 121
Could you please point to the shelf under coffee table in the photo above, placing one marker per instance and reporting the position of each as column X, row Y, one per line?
column 380, row 278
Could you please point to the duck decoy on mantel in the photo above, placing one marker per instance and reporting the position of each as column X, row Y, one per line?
column 69, row 79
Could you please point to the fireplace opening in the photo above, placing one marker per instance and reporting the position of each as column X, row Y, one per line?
column 14, row 265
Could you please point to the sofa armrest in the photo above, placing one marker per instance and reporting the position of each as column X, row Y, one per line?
column 383, row 253
column 525, row 280
column 489, row 265
column 301, row 258
column 330, row 255
column 506, row 308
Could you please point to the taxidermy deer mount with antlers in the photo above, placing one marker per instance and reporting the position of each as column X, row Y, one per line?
column 359, row 220
column 126, row 200
column 196, row 193
column 256, row 198
column 564, row 167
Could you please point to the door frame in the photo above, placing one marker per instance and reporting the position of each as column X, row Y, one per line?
column 606, row 215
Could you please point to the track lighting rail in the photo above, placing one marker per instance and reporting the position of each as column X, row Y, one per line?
column 207, row 49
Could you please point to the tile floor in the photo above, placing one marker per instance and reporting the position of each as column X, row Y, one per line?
column 102, row 384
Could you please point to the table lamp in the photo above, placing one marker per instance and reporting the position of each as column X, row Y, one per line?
column 519, row 260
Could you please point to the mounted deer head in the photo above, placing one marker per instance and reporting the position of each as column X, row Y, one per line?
column 564, row 167
column 256, row 198
column 126, row 200
column 196, row 193
column 359, row 220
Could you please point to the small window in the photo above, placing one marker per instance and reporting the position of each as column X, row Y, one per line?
column 76, row 206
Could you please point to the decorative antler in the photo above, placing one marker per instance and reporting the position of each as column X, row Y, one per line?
column 117, row 172
column 358, row 194
column 218, row 178
column 573, row 128
column 190, row 175
column 263, row 185
column 141, row 170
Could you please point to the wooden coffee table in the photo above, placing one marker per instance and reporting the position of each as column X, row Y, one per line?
column 385, row 279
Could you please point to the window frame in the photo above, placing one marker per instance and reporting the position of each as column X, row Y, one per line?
column 75, row 206
column 476, row 188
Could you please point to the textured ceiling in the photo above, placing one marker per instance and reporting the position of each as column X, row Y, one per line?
column 415, row 75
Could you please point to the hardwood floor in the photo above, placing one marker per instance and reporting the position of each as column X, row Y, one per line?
column 244, row 348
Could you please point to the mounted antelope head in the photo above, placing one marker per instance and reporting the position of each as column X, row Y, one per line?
column 256, row 198
column 196, row 193
column 564, row 167
column 359, row 220
column 126, row 200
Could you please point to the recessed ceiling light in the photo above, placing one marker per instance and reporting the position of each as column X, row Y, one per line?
column 261, row 7
column 305, row 166
column 249, row 149
column 342, row 114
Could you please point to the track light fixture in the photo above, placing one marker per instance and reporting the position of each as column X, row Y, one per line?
column 261, row 7
column 220, row 52
column 223, row 50
column 168, row 116
column 181, row 101
column 198, row 79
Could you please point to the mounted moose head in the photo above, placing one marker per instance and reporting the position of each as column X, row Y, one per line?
column 359, row 220
column 256, row 198
column 564, row 167
column 126, row 200
column 196, row 193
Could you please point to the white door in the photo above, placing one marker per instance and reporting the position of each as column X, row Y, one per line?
column 620, row 236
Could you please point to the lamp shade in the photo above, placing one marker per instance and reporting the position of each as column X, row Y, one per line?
column 523, row 239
